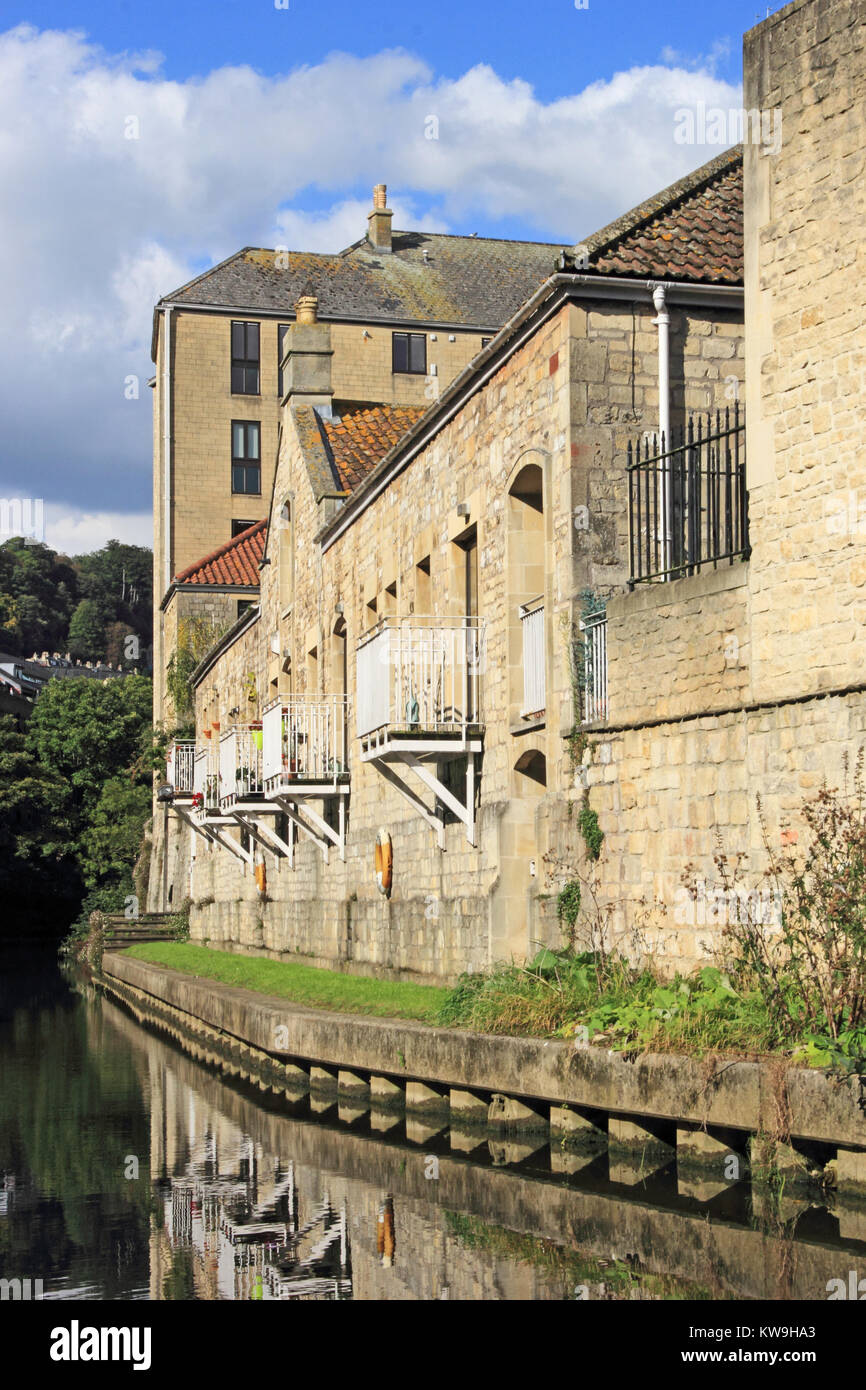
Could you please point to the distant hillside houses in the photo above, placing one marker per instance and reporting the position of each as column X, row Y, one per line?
column 21, row 681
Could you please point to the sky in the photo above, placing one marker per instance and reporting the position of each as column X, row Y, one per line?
column 141, row 143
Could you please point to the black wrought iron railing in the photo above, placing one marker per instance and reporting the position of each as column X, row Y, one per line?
column 687, row 504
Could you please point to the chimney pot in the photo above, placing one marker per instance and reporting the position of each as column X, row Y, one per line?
column 379, row 220
column 307, row 309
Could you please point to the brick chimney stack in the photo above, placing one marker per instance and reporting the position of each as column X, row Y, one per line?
column 379, row 220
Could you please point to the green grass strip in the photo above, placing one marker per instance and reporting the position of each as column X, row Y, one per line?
column 303, row 984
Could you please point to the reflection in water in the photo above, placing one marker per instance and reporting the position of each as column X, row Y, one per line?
column 130, row 1170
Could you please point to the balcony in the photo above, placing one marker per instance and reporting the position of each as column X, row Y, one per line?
column 532, row 627
column 688, row 504
column 419, row 702
column 304, row 746
column 181, row 769
column 304, row 759
column 419, row 687
column 240, row 766
column 206, row 780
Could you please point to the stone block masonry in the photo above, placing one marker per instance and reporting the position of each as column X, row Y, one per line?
column 535, row 1086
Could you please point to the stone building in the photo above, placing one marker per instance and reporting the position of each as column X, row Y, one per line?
column 408, row 310
column 582, row 592
column 410, row 670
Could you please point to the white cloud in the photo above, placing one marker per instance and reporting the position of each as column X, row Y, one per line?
column 77, row 532
column 96, row 225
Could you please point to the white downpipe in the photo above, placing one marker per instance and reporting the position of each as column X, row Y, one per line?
column 663, row 324
column 166, row 448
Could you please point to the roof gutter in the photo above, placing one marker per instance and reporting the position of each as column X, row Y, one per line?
column 555, row 291
column 229, row 590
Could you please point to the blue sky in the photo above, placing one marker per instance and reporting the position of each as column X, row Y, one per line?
column 152, row 139
column 550, row 43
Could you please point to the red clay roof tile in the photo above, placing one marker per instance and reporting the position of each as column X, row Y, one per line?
column 361, row 438
column 235, row 562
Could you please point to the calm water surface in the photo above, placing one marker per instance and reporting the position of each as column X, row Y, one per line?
column 130, row 1170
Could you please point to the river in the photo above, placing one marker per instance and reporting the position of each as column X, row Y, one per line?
column 131, row 1170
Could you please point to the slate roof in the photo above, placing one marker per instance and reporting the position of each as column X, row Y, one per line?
column 466, row 281
column 360, row 438
column 234, row 563
column 692, row 230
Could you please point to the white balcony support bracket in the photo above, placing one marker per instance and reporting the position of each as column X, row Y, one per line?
column 200, row 827
column 319, row 831
column 222, row 837
column 464, row 813
column 265, row 836
column 414, row 800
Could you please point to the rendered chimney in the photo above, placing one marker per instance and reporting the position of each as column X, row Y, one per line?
column 379, row 220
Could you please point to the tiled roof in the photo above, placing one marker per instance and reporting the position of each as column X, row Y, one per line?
column 692, row 230
column 360, row 438
column 474, row 281
column 235, row 562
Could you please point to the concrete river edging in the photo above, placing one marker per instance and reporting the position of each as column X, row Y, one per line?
column 706, row 1110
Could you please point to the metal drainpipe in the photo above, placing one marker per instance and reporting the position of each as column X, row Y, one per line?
column 663, row 324
column 166, row 446
column 166, row 533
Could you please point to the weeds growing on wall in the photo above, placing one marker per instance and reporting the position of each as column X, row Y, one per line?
column 809, row 960
column 794, row 986
column 593, row 835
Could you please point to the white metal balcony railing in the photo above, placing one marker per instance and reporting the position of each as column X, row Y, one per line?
column 594, row 629
column 206, row 778
column 421, row 674
column 532, row 625
column 181, row 767
column 240, row 764
column 304, row 740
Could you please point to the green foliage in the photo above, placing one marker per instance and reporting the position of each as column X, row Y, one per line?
column 568, row 906
column 86, row 639
column 38, row 592
column 88, row 606
column 809, row 960
column 593, row 835
column 179, row 921
column 84, row 732
column 88, row 746
column 113, row 835
column 36, row 866
column 195, row 637
column 626, row 1007
column 325, row 989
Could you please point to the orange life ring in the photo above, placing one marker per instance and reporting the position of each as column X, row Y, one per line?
column 384, row 861
column 261, row 875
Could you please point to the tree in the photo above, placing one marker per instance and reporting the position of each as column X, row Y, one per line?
column 36, row 863
column 38, row 592
column 87, row 631
column 87, row 731
column 112, row 838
